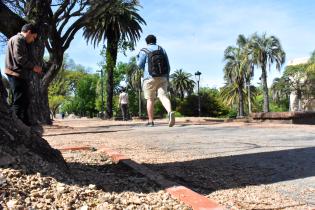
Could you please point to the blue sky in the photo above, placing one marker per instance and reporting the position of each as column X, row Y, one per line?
column 195, row 33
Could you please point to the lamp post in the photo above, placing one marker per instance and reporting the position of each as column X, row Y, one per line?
column 197, row 75
column 102, row 92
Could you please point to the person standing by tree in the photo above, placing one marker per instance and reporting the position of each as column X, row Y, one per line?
column 123, row 102
column 19, row 62
column 153, row 59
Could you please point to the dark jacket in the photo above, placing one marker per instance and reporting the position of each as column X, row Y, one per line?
column 19, row 60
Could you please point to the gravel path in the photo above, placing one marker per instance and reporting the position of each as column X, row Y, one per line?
column 94, row 183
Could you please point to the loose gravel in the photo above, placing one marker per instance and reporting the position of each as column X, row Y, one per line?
column 94, row 182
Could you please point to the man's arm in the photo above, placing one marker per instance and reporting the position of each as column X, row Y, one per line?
column 142, row 57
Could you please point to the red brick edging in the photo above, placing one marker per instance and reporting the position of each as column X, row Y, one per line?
column 76, row 148
column 181, row 193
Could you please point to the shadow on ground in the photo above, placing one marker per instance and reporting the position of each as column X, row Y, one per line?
column 111, row 178
column 82, row 132
column 208, row 175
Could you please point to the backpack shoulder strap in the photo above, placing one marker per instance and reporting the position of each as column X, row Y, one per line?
column 145, row 50
column 161, row 49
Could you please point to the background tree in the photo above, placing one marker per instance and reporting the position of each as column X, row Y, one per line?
column 310, row 78
column 280, row 92
column 132, row 80
column 234, row 73
column 181, row 83
column 22, row 146
column 301, row 80
column 230, row 95
column 59, row 21
column 58, row 91
column 120, row 22
column 265, row 52
column 211, row 105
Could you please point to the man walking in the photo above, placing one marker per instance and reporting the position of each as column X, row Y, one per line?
column 19, row 62
column 153, row 59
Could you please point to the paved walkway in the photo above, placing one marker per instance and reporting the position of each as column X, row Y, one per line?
column 278, row 160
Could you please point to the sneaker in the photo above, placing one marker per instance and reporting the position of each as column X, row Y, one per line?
column 171, row 119
column 150, row 124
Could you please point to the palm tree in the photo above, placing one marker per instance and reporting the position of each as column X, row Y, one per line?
column 243, row 43
column 181, row 83
column 280, row 91
column 235, row 71
column 118, row 22
column 266, row 51
column 133, row 79
column 230, row 94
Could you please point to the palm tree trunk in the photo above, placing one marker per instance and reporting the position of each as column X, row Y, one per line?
column 248, row 98
column 181, row 95
column 241, row 102
column 139, row 102
column 299, row 98
column 111, row 57
column 265, row 88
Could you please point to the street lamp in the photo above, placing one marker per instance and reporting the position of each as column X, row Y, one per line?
column 102, row 92
column 197, row 75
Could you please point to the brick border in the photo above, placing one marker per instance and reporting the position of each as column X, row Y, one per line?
column 181, row 193
column 75, row 148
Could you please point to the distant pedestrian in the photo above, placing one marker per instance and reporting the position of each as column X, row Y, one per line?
column 123, row 102
column 19, row 63
column 153, row 59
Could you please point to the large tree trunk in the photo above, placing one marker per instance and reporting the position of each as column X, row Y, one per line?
column 265, row 88
column 111, row 57
column 39, row 110
column 37, row 12
column 23, row 148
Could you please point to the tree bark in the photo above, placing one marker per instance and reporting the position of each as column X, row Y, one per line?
column 111, row 57
column 241, row 101
column 21, row 147
column 265, row 88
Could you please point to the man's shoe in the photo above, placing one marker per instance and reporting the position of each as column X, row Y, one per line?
column 171, row 119
column 150, row 124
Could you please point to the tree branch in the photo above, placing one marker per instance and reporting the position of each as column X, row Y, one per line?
column 61, row 9
column 9, row 18
column 66, row 17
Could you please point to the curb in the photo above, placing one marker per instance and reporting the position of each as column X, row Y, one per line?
column 75, row 148
column 181, row 193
